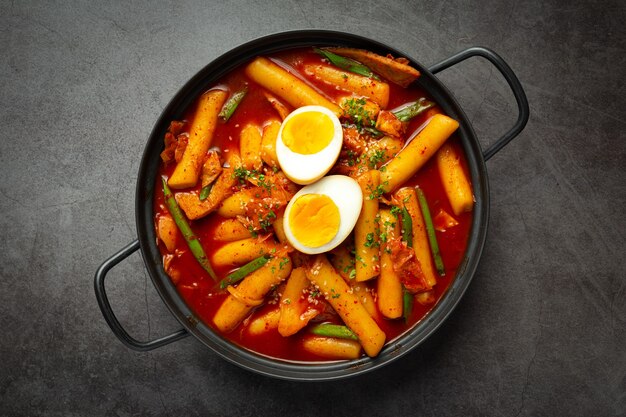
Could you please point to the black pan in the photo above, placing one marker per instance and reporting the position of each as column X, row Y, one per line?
column 146, row 241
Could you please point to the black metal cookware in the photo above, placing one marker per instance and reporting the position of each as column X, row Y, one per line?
column 146, row 241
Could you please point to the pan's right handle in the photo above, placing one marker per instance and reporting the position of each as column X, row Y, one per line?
column 109, row 316
column 511, row 79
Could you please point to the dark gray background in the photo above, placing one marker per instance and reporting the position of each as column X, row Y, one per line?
column 541, row 330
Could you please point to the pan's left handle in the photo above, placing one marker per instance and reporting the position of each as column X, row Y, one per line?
column 109, row 316
column 512, row 81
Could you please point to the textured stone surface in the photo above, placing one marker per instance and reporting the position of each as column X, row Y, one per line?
column 542, row 329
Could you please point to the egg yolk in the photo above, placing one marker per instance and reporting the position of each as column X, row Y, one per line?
column 308, row 133
column 314, row 220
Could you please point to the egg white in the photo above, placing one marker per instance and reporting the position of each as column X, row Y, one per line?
column 306, row 169
column 346, row 193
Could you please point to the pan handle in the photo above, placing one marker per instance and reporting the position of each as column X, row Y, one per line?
column 511, row 79
column 109, row 316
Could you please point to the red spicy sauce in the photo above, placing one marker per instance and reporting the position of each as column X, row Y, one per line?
column 203, row 295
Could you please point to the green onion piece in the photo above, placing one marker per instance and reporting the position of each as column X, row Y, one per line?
column 204, row 193
column 407, row 237
column 333, row 330
column 231, row 105
column 185, row 229
column 373, row 131
column 430, row 229
column 413, row 110
column 407, row 305
column 407, row 227
column 244, row 271
column 347, row 64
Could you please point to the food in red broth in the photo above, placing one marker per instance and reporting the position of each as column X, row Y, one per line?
column 314, row 204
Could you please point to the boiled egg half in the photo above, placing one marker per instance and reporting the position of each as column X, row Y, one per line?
column 321, row 215
column 308, row 143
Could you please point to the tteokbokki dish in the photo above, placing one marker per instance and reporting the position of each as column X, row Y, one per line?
column 313, row 204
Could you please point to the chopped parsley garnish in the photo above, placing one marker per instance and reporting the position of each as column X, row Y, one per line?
column 369, row 240
column 353, row 158
column 252, row 231
column 390, row 225
column 242, row 174
column 376, row 192
column 262, row 183
column 283, row 262
column 377, row 157
column 355, row 109
column 266, row 221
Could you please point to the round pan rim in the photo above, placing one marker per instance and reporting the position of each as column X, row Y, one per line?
column 278, row 368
